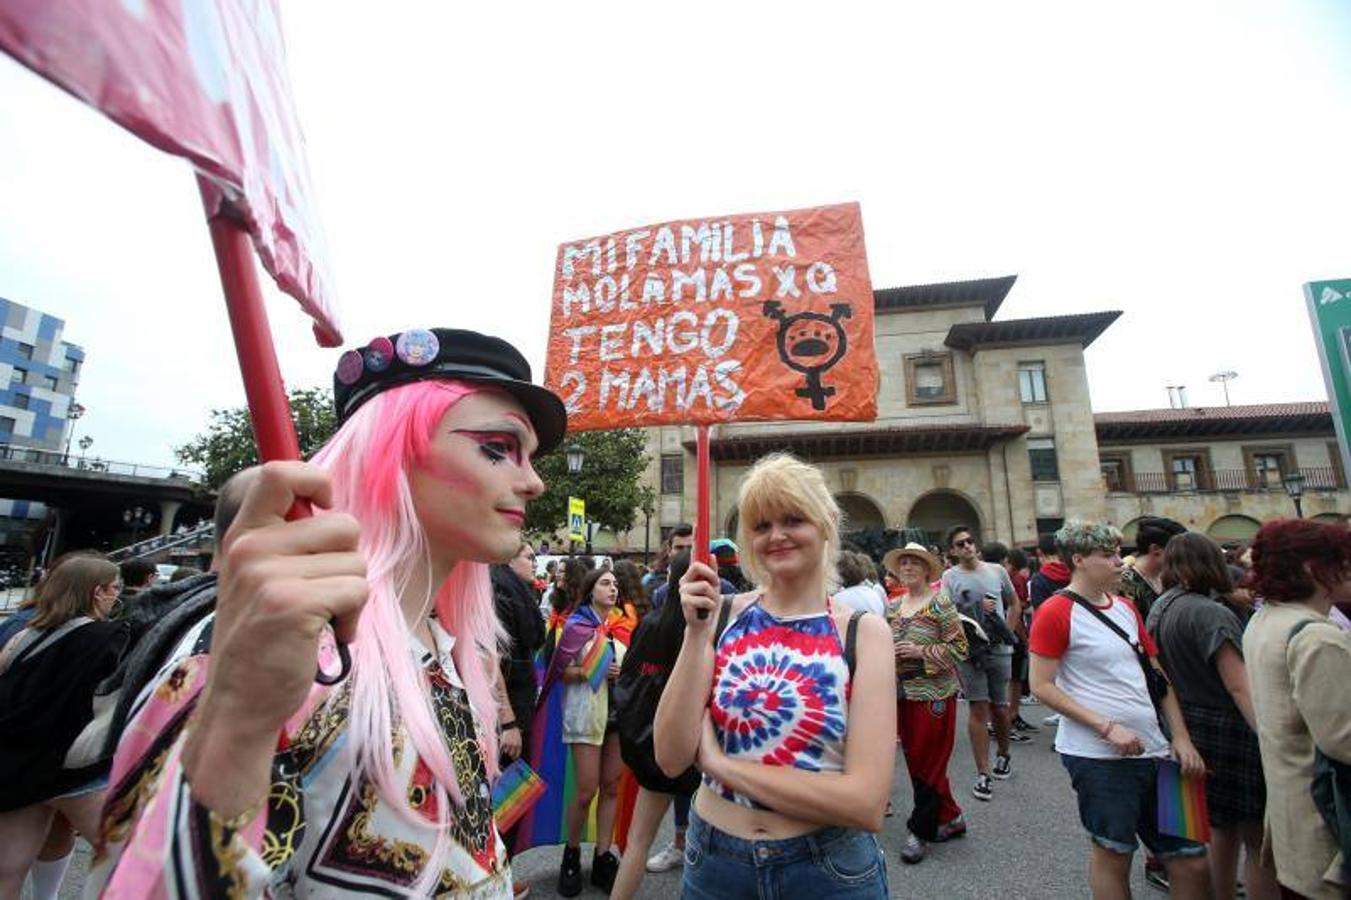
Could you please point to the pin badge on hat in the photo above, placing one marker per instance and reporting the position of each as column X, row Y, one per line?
column 418, row 347
column 378, row 354
column 349, row 367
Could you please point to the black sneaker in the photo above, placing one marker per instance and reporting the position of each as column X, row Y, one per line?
column 570, row 872
column 1021, row 724
column 604, row 868
column 1018, row 737
column 983, row 790
column 1003, row 767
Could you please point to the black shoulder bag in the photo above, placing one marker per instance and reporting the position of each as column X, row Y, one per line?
column 1155, row 681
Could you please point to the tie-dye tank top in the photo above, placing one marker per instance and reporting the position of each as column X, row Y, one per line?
column 780, row 693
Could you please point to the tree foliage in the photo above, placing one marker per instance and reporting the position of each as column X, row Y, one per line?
column 609, row 482
column 228, row 446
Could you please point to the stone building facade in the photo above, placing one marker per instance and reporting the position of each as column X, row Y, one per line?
column 989, row 423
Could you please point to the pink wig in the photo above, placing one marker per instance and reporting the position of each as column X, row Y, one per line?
column 369, row 461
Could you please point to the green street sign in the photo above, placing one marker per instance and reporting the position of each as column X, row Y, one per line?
column 1330, row 311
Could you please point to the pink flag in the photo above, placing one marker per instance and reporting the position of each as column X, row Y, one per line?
column 204, row 80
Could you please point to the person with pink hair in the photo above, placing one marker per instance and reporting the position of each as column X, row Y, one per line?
column 239, row 773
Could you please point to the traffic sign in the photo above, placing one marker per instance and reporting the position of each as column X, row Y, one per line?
column 1330, row 312
column 576, row 519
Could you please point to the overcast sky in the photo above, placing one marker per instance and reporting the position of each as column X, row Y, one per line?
column 1185, row 162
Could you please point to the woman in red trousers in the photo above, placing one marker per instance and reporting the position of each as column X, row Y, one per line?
column 928, row 637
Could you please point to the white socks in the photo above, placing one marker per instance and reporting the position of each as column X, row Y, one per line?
column 47, row 876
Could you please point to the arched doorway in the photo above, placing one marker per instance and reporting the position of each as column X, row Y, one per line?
column 1128, row 532
column 859, row 512
column 937, row 511
column 1233, row 528
column 1329, row 517
column 731, row 525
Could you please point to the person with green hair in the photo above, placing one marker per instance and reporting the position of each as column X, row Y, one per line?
column 1092, row 662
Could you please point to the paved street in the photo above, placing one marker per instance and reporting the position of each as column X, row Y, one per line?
column 1024, row 845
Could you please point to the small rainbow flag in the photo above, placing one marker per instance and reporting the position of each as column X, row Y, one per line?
column 517, row 789
column 597, row 661
column 1182, row 803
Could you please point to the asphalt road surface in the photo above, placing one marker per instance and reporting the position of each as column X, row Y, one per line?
column 1026, row 844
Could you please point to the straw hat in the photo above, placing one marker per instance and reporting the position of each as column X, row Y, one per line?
column 919, row 552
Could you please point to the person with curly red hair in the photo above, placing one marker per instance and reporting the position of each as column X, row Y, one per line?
column 1299, row 665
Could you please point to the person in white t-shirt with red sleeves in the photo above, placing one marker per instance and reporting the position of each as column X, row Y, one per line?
column 1110, row 739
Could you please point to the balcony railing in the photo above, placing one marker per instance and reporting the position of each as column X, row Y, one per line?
column 35, row 456
column 1215, row 480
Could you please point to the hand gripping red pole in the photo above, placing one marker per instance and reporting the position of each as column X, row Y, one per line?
column 273, row 428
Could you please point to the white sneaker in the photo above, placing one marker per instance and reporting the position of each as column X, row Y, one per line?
column 668, row 858
column 1051, row 721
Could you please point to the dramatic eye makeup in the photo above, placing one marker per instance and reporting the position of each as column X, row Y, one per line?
column 496, row 443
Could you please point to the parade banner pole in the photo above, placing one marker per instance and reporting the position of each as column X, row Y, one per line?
column 270, row 411
column 264, row 389
column 703, row 498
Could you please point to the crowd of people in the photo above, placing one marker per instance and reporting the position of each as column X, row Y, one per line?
column 761, row 695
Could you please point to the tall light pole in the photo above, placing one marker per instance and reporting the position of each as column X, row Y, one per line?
column 1224, row 378
column 1294, row 486
column 576, row 456
column 74, row 413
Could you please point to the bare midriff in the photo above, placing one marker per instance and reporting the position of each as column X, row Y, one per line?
column 745, row 823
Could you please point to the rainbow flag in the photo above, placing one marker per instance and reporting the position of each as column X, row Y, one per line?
column 597, row 661
column 517, row 789
column 1182, row 803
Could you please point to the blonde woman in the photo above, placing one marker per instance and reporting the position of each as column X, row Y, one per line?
column 787, row 703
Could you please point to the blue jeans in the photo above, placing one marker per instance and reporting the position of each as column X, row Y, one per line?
column 1118, row 800
column 830, row 863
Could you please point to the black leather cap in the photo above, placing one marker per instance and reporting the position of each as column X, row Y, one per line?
column 447, row 354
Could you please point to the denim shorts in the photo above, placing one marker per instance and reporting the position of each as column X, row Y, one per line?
column 829, row 863
column 986, row 679
column 1118, row 801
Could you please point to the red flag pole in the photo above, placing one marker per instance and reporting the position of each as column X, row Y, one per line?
column 702, row 501
column 270, row 412
column 273, row 427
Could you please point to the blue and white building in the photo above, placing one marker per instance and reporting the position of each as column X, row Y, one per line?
column 39, row 372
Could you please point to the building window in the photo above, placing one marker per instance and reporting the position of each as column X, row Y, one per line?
column 72, row 365
column 20, row 401
column 1041, row 453
column 1032, row 382
column 1338, row 472
column 50, row 382
column 25, row 351
column 1268, row 465
column 7, row 426
column 18, row 375
column 1188, row 470
column 673, row 473
column 929, row 379
column 1116, row 472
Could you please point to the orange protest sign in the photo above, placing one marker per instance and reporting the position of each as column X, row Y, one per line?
column 736, row 318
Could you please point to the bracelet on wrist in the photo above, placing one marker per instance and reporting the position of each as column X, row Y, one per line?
column 505, row 725
column 1106, row 729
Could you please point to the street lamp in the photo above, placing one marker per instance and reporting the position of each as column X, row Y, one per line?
column 1294, row 486
column 576, row 456
column 138, row 518
column 73, row 413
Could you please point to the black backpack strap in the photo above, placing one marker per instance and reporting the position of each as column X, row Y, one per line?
column 723, row 615
column 851, row 642
column 1102, row 617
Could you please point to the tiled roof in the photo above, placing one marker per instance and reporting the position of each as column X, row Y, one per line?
column 1203, row 421
column 1081, row 327
column 988, row 293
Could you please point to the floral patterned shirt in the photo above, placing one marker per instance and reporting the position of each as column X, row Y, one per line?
column 327, row 832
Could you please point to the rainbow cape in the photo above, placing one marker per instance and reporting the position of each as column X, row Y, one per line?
column 1182, row 803
column 545, row 823
column 517, row 789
